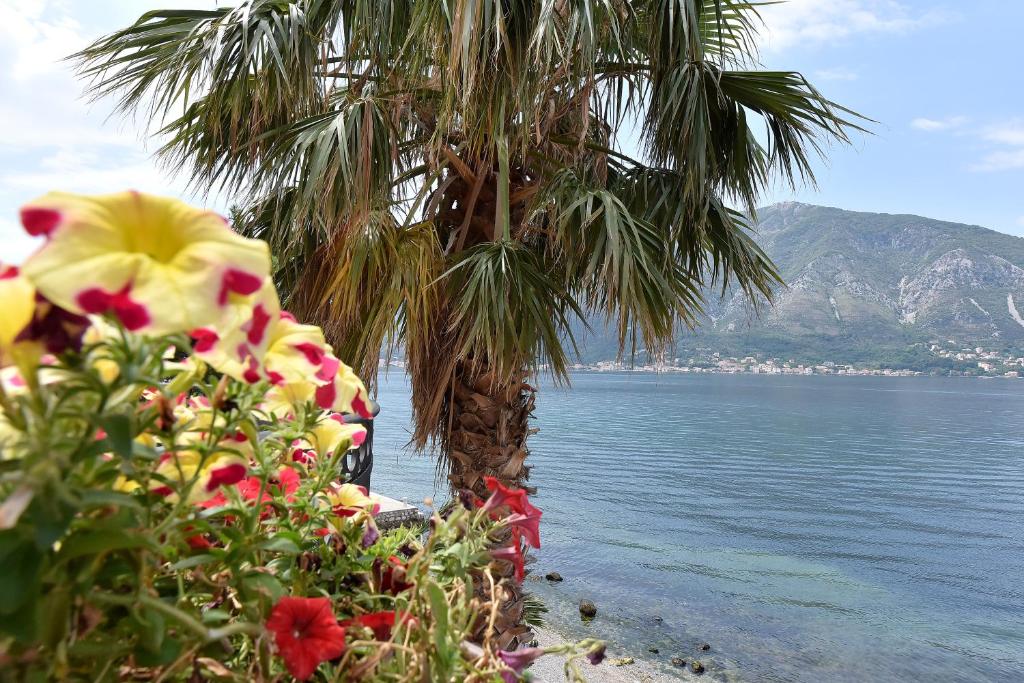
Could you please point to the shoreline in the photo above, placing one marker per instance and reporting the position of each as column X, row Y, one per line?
column 641, row 670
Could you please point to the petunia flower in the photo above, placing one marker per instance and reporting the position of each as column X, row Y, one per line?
column 178, row 468
column 513, row 554
column 381, row 623
column 390, row 576
column 348, row 500
column 519, row 660
column 330, row 435
column 335, row 387
column 31, row 326
column 342, row 391
column 501, row 495
column 18, row 303
column 526, row 526
column 306, row 633
column 156, row 264
column 263, row 343
column 370, row 534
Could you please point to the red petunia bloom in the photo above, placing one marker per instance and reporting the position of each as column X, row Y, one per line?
column 380, row 623
column 526, row 526
column 515, row 499
column 511, row 553
column 391, row 577
column 525, row 518
column 306, row 633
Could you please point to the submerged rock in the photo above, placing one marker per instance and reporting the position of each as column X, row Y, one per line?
column 678, row 661
column 588, row 610
column 704, row 647
column 653, row 649
column 696, row 667
column 553, row 576
column 658, row 619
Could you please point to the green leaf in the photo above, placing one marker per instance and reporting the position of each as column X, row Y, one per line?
column 215, row 616
column 152, row 627
column 439, row 610
column 193, row 561
column 119, row 433
column 100, row 498
column 282, row 544
column 257, row 585
column 21, row 561
column 101, row 541
column 53, row 615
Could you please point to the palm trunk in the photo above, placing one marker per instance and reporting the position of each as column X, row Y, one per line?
column 489, row 427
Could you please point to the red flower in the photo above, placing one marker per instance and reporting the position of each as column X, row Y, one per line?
column 511, row 553
column 525, row 520
column 391, row 577
column 380, row 623
column 527, row 526
column 306, row 633
column 515, row 499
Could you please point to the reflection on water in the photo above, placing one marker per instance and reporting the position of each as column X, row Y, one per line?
column 809, row 528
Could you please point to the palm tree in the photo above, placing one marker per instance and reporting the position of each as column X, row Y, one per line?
column 467, row 179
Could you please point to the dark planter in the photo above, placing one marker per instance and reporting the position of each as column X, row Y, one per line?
column 357, row 464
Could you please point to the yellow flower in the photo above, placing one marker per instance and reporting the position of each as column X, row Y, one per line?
column 263, row 342
column 331, row 434
column 348, row 500
column 18, row 303
column 335, row 388
column 218, row 469
column 342, row 390
column 157, row 264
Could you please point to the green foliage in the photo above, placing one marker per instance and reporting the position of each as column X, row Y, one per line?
column 510, row 122
column 123, row 555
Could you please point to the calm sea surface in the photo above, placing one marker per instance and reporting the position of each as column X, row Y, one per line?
column 808, row 528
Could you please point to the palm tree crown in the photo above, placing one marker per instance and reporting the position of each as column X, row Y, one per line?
column 467, row 178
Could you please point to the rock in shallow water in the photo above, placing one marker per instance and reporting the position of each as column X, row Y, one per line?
column 678, row 661
column 588, row 610
column 704, row 647
column 553, row 576
column 696, row 667
column 653, row 649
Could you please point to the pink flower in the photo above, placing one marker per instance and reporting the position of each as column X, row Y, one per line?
column 520, row 659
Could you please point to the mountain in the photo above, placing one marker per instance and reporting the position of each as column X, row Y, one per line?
column 861, row 287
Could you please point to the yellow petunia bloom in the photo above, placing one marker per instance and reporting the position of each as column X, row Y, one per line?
column 335, row 388
column 263, row 343
column 221, row 468
column 18, row 303
column 157, row 264
column 331, row 434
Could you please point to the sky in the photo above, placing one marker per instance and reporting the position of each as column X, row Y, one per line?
column 941, row 80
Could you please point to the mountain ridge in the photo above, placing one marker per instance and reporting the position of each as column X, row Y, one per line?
column 863, row 286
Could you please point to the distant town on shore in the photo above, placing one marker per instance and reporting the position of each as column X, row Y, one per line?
column 947, row 359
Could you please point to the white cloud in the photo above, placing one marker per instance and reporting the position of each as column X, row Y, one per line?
column 836, row 74
column 1000, row 160
column 1008, row 155
column 1006, row 133
column 814, row 22
column 932, row 125
column 51, row 137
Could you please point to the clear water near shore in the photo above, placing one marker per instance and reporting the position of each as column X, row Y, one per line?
column 809, row 528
